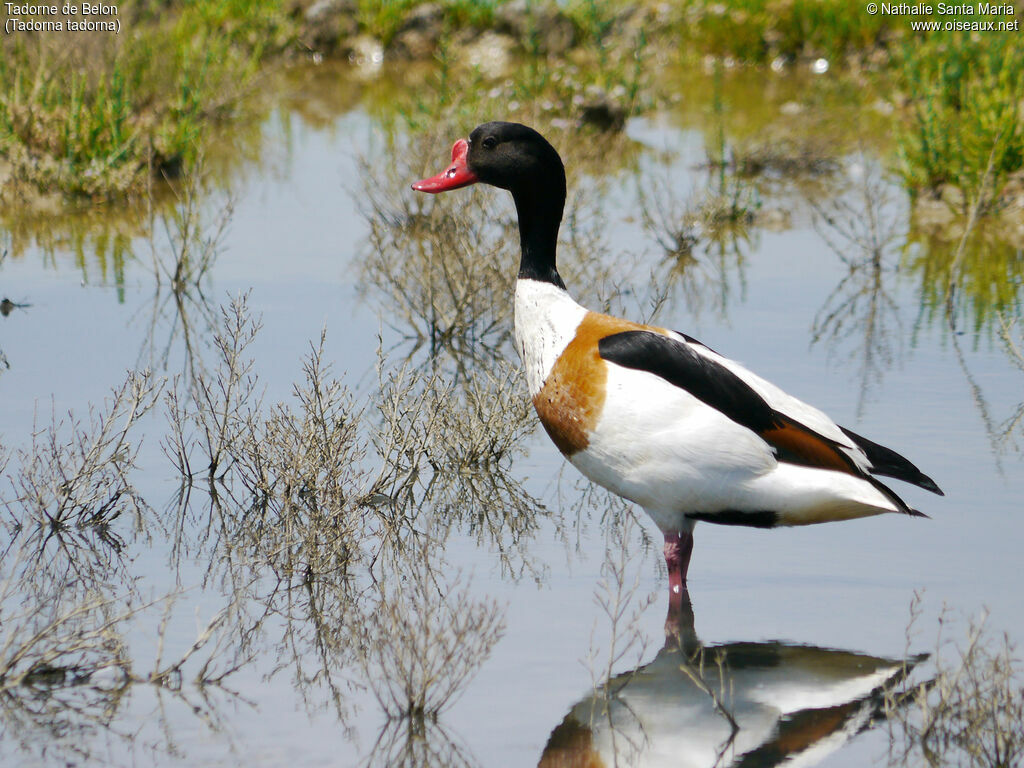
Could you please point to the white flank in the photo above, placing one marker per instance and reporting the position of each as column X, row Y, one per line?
column 545, row 322
column 803, row 689
column 661, row 447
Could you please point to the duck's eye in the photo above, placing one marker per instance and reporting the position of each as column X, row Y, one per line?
column 489, row 143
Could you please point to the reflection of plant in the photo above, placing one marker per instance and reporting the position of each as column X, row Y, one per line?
column 183, row 262
column 72, row 483
column 55, row 640
column 617, row 598
column 863, row 232
column 703, row 237
column 408, row 743
column 324, row 497
column 970, row 713
column 1013, row 342
column 967, row 284
column 294, row 471
column 322, row 477
column 448, row 276
column 66, row 669
column 422, row 639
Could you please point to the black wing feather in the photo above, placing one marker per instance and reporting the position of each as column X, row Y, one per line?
column 885, row 461
column 720, row 388
column 705, row 379
column 716, row 385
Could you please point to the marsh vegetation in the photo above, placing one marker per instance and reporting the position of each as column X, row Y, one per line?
column 271, row 487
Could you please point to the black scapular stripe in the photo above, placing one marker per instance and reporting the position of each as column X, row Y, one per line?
column 705, row 379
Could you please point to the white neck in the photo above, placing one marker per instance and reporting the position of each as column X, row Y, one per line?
column 545, row 323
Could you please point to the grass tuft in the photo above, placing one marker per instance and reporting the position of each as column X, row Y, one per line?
column 965, row 127
column 95, row 116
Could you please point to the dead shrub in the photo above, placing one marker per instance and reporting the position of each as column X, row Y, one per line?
column 71, row 485
column 422, row 638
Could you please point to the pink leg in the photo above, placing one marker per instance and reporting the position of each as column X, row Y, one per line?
column 678, row 548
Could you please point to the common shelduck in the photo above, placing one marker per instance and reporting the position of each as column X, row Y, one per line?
column 735, row 704
column 656, row 416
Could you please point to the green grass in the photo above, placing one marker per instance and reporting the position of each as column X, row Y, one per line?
column 99, row 116
column 93, row 116
column 594, row 19
column 964, row 126
column 383, row 19
column 757, row 31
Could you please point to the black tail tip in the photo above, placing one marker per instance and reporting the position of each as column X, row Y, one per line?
column 929, row 485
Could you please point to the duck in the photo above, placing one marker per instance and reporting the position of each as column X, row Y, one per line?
column 654, row 415
column 740, row 703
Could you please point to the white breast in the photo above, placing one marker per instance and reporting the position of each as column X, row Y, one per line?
column 545, row 322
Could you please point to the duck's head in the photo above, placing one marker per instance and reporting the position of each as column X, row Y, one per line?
column 506, row 155
column 517, row 158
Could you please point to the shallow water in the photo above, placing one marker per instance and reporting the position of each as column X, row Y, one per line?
column 297, row 242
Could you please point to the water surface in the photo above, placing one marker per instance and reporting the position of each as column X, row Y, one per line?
column 793, row 293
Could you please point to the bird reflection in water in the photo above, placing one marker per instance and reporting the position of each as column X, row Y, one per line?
column 749, row 704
